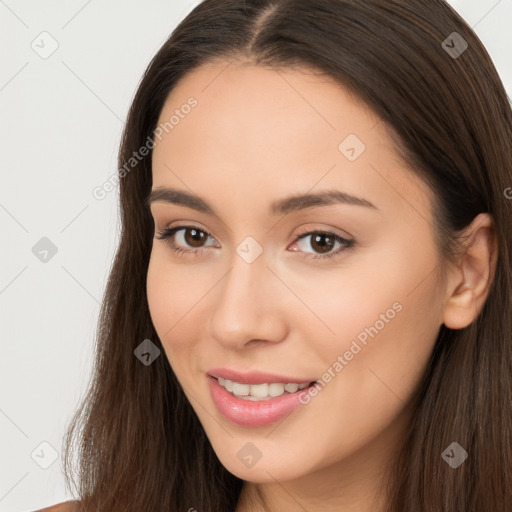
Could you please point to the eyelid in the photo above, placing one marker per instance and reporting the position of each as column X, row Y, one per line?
column 302, row 231
column 307, row 230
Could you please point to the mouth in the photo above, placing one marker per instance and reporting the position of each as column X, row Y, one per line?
column 256, row 399
column 261, row 391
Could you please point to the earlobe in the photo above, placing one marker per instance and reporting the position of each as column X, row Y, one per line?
column 471, row 280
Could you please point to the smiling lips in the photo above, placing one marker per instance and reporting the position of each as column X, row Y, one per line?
column 254, row 399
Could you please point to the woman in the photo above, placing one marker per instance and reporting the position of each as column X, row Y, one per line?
column 310, row 306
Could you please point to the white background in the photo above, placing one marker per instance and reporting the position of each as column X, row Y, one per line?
column 60, row 125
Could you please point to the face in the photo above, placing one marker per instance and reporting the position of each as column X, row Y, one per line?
column 340, row 290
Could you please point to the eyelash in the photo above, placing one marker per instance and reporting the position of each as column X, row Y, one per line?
column 168, row 233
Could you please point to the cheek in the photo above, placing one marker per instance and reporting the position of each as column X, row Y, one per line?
column 395, row 323
column 178, row 307
column 385, row 338
column 389, row 287
column 172, row 290
column 381, row 314
column 169, row 299
column 159, row 295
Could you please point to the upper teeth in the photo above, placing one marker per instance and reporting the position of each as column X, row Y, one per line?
column 259, row 391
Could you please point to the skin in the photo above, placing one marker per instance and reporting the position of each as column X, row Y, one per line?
column 258, row 135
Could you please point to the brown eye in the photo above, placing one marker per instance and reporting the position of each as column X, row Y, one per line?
column 194, row 237
column 187, row 240
column 323, row 243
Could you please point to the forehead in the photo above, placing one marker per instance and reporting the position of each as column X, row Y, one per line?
column 262, row 131
column 244, row 106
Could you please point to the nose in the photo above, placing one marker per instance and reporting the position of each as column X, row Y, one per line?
column 248, row 306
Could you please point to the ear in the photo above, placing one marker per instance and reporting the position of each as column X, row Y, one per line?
column 471, row 279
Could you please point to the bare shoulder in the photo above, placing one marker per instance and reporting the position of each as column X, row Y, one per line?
column 67, row 506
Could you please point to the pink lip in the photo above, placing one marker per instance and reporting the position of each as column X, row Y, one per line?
column 247, row 413
column 255, row 377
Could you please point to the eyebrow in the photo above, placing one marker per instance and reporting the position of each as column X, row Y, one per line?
column 280, row 207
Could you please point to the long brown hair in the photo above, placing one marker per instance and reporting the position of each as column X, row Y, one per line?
column 135, row 441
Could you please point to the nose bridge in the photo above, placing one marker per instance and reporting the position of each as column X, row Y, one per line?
column 245, row 303
column 243, row 288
